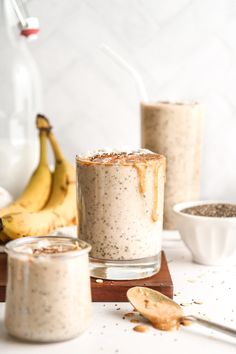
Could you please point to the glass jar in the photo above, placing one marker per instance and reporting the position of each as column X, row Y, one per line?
column 48, row 294
column 120, row 207
column 20, row 101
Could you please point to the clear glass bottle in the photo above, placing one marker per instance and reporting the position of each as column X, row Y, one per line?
column 20, row 100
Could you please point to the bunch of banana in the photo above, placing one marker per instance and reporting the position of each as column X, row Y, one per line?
column 60, row 210
column 37, row 191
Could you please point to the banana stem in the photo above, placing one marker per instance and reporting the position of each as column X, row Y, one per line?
column 43, row 124
column 57, row 151
column 43, row 160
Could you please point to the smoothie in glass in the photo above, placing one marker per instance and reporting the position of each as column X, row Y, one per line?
column 175, row 130
column 120, row 205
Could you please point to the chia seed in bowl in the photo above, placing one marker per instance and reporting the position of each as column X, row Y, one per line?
column 217, row 210
column 207, row 227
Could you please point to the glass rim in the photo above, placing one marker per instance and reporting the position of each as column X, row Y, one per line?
column 172, row 102
column 83, row 159
column 10, row 247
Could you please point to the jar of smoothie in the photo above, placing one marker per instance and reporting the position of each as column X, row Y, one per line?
column 48, row 295
column 175, row 130
column 120, row 206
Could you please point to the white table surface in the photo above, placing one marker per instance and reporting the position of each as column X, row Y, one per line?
column 215, row 287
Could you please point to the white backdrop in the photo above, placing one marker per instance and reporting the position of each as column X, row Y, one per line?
column 184, row 49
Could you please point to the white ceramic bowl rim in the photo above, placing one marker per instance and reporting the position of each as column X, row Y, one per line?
column 177, row 208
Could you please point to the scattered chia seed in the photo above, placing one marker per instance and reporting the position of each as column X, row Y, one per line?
column 212, row 210
column 185, row 304
column 197, row 302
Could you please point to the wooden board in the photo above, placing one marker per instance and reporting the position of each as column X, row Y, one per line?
column 111, row 290
column 115, row 290
column 3, row 275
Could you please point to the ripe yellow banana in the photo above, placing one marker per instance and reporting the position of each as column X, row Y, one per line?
column 37, row 191
column 60, row 209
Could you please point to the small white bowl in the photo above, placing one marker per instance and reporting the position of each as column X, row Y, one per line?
column 211, row 240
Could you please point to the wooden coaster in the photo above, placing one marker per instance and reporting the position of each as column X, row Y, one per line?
column 115, row 290
column 111, row 290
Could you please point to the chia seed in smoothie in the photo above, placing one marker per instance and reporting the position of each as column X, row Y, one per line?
column 48, row 292
column 175, row 130
column 120, row 203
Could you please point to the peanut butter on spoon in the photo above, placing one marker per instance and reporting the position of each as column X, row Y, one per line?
column 162, row 312
column 165, row 314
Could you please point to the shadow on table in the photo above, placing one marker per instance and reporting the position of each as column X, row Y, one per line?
column 212, row 335
column 8, row 339
column 4, row 336
column 128, row 316
column 192, row 330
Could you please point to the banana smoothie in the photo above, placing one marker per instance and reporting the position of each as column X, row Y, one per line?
column 120, row 204
column 48, row 292
column 175, row 130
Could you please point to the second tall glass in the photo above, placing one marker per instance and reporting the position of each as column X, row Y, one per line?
column 174, row 129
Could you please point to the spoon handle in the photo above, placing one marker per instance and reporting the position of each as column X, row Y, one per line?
column 213, row 325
